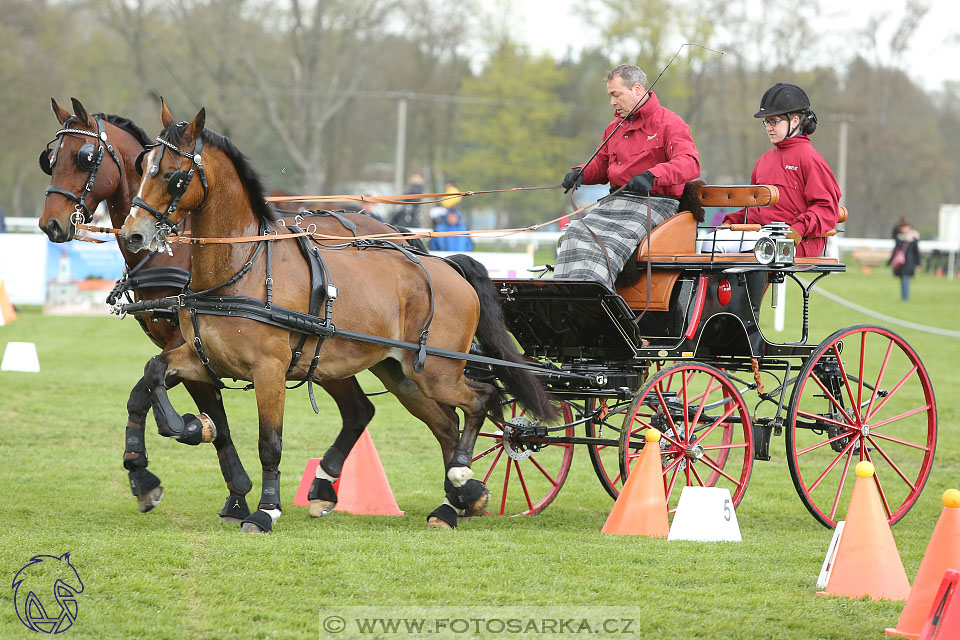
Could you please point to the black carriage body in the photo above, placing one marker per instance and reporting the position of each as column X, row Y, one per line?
column 713, row 315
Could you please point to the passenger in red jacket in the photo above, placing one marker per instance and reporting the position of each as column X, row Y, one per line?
column 652, row 156
column 809, row 193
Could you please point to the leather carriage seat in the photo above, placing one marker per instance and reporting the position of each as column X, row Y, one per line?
column 676, row 239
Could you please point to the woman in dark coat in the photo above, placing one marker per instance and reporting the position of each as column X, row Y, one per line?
column 905, row 256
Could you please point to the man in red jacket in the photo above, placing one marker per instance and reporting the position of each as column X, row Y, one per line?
column 809, row 194
column 652, row 156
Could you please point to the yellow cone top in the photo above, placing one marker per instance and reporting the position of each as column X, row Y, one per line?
column 951, row 498
column 864, row 469
column 651, row 435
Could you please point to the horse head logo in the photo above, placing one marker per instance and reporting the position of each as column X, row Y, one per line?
column 43, row 581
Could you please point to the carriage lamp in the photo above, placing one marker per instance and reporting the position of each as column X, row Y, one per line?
column 775, row 247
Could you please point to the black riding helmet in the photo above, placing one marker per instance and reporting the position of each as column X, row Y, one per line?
column 782, row 98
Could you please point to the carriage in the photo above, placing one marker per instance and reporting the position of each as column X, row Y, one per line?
column 681, row 351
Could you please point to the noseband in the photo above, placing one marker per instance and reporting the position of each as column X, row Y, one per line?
column 87, row 157
column 177, row 185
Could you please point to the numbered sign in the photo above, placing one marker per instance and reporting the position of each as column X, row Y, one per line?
column 705, row 514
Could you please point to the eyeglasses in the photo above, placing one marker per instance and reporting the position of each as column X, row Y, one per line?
column 772, row 122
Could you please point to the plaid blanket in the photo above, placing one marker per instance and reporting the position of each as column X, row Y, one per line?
column 619, row 222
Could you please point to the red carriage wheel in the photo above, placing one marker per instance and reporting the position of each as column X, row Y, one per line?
column 863, row 394
column 608, row 424
column 707, row 438
column 523, row 476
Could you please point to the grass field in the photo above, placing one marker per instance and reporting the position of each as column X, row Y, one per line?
column 177, row 573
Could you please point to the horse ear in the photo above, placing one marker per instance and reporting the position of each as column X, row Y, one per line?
column 80, row 112
column 166, row 118
column 62, row 114
column 196, row 127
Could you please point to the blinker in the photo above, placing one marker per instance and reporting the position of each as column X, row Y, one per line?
column 87, row 157
column 177, row 182
column 46, row 161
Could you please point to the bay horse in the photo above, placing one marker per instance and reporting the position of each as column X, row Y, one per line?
column 372, row 289
column 94, row 159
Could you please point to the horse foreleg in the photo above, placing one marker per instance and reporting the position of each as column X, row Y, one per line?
column 356, row 412
column 270, row 387
column 145, row 486
column 210, row 402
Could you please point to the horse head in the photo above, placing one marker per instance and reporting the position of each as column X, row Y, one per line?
column 85, row 167
column 168, row 188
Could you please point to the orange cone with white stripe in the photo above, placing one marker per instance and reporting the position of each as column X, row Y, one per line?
column 942, row 554
column 867, row 561
column 641, row 507
column 7, row 313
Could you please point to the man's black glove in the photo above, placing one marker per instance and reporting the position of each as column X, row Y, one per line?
column 572, row 180
column 641, row 183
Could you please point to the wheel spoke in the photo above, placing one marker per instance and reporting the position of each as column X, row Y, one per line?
column 703, row 401
column 828, row 441
column 891, row 463
column 686, row 413
column 822, row 418
column 663, row 405
column 542, row 470
column 843, row 477
column 900, row 417
column 833, row 400
column 876, row 481
column 893, row 391
column 673, row 480
column 492, row 465
column 696, row 475
column 863, row 351
column 899, row 441
column 846, row 380
column 823, row 475
column 487, row 451
column 883, row 370
column 726, row 414
column 506, row 485
column 707, row 460
column 523, row 483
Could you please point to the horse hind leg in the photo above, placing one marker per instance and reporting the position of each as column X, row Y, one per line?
column 356, row 411
column 210, row 402
column 444, row 423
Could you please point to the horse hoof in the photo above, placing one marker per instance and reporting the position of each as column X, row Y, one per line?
column 480, row 505
column 208, row 430
column 249, row 527
column 434, row 522
column 150, row 499
column 320, row 508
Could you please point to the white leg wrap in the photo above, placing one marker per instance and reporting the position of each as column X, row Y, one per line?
column 273, row 513
column 323, row 475
column 459, row 511
column 459, row 475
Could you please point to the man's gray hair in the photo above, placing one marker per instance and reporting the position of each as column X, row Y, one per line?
column 630, row 74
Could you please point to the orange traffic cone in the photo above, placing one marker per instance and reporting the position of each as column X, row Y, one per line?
column 7, row 313
column 641, row 507
column 362, row 488
column 943, row 621
column 867, row 561
column 943, row 553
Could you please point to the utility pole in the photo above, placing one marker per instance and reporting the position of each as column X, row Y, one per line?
column 401, row 150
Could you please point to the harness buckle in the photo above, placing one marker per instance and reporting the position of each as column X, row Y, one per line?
column 331, row 291
column 77, row 217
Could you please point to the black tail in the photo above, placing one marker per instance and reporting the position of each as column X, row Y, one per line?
column 496, row 342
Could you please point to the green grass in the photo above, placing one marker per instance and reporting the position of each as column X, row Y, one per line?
column 177, row 573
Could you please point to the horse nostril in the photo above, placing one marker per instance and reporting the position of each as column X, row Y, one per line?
column 135, row 241
column 53, row 230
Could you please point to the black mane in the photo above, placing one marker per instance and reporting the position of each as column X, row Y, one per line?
column 249, row 178
column 127, row 125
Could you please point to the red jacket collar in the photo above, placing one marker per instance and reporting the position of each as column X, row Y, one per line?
column 790, row 142
column 649, row 108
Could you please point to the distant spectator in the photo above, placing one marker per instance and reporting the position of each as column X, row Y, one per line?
column 452, row 201
column 718, row 217
column 367, row 210
column 905, row 256
column 452, row 222
column 437, row 214
column 3, row 223
column 407, row 216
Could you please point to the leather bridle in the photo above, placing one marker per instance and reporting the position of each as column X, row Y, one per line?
column 177, row 185
column 82, row 212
